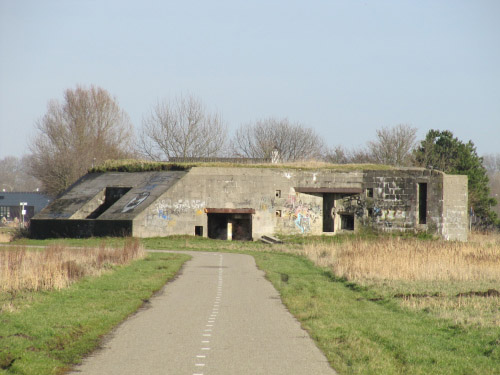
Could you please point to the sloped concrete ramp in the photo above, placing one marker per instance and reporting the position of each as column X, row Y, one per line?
column 220, row 316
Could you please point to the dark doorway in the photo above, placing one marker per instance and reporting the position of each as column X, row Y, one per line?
column 347, row 222
column 241, row 225
column 217, row 226
column 198, row 230
column 328, row 221
column 422, row 203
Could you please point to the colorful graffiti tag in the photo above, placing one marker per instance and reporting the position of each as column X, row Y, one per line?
column 302, row 214
column 303, row 223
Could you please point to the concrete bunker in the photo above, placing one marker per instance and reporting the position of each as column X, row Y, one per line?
column 242, row 203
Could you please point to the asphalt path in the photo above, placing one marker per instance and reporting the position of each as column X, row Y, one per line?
column 219, row 316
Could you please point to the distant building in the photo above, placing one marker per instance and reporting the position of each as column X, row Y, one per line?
column 247, row 202
column 11, row 208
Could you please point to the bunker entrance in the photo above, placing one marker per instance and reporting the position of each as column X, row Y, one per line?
column 328, row 207
column 347, row 222
column 111, row 195
column 336, row 214
column 230, row 224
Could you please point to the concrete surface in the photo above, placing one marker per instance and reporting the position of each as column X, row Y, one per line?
column 220, row 316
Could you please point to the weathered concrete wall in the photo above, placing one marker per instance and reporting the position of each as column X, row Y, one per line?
column 271, row 192
column 455, row 203
column 53, row 228
column 90, row 206
column 89, row 192
column 395, row 202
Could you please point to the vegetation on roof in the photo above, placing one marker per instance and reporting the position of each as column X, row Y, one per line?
column 131, row 165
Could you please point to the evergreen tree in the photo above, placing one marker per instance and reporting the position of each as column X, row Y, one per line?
column 441, row 150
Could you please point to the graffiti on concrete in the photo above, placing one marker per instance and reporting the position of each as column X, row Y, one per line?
column 134, row 202
column 354, row 205
column 267, row 204
column 164, row 215
column 157, row 180
column 301, row 213
column 166, row 206
column 303, row 223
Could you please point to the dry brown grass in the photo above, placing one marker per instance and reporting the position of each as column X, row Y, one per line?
column 411, row 259
column 57, row 266
column 451, row 280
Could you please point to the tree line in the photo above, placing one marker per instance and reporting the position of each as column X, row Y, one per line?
column 88, row 127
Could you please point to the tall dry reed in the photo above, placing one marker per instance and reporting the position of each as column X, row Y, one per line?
column 57, row 266
column 410, row 259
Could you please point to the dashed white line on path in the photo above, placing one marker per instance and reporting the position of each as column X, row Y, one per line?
column 224, row 296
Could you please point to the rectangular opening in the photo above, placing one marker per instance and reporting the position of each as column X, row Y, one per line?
column 369, row 192
column 240, row 226
column 111, row 196
column 278, row 213
column 328, row 219
column 278, row 194
column 346, row 222
column 198, row 230
column 422, row 203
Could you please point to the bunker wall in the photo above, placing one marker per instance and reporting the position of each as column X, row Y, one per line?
column 455, row 202
column 53, row 228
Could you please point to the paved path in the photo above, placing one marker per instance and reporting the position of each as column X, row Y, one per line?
column 220, row 316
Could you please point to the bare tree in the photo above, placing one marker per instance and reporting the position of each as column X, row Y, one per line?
column 394, row 146
column 292, row 141
column 87, row 128
column 492, row 163
column 340, row 155
column 337, row 155
column 14, row 175
column 182, row 128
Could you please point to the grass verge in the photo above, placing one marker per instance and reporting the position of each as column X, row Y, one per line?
column 363, row 334
column 360, row 326
column 50, row 331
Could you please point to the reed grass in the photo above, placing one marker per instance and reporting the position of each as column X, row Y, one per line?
column 409, row 259
column 459, row 281
column 58, row 266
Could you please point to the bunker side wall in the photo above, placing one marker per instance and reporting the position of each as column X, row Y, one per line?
column 455, row 202
column 395, row 203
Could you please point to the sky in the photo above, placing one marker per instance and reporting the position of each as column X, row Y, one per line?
column 343, row 67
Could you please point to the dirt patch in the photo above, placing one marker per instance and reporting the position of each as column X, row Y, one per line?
column 488, row 293
column 417, row 295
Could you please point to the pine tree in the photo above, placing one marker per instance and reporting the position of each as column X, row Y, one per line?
column 441, row 150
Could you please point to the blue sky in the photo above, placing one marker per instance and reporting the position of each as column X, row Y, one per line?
column 345, row 68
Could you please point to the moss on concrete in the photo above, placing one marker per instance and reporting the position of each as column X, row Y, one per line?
column 148, row 166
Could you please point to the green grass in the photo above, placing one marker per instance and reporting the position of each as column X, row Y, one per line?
column 362, row 334
column 177, row 242
column 50, row 331
column 361, row 330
